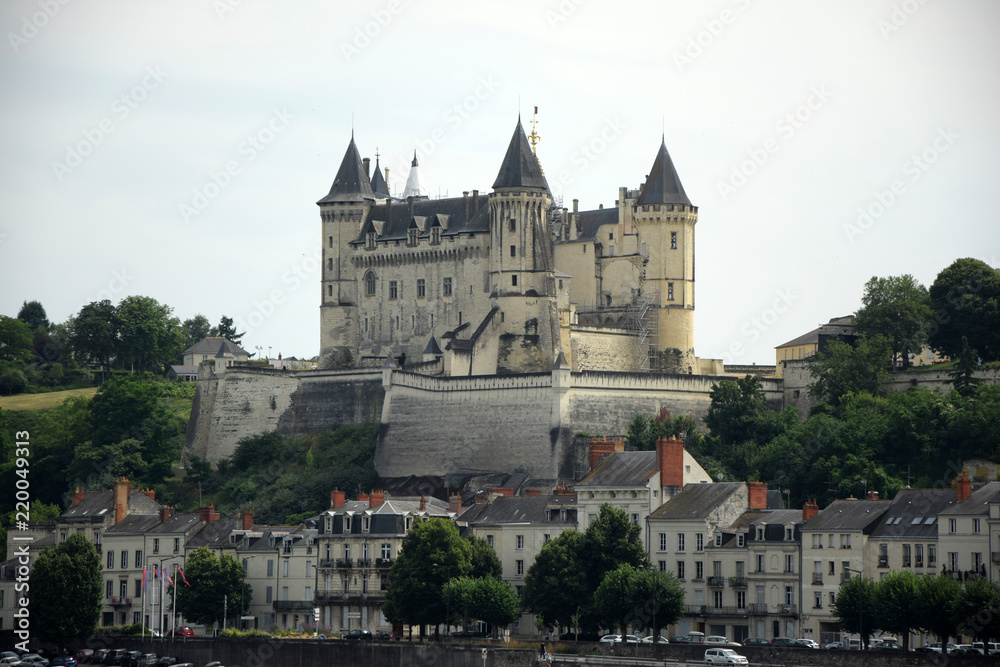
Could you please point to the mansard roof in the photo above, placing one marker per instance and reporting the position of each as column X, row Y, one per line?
column 100, row 504
column 351, row 183
column 520, row 510
column 663, row 185
column 520, row 168
column 591, row 221
column 978, row 502
column 390, row 222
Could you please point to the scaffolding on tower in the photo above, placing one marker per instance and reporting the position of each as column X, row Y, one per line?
column 643, row 322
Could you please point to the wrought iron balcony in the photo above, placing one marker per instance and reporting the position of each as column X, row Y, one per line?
column 817, row 578
column 121, row 602
column 738, row 582
column 716, row 582
column 383, row 562
column 364, row 562
column 327, row 562
column 344, row 563
column 757, row 608
column 788, row 610
column 724, row 611
column 695, row 610
column 293, row 605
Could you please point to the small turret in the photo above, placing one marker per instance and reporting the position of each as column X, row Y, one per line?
column 414, row 188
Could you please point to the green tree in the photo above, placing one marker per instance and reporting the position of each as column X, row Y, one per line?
column 485, row 598
column 611, row 540
column 614, row 601
column 936, row 607
column 658, row 598
column 739, row 412
column 12, row 381
column 977, row 610
column 15, row 340
column 38, row 512
column 485, row 562
column 65, row 585
column 897, row 308
column 963, row 377
column 195, row 329
column 33, row 314
column 966, row 301
column 845, row 369
column 432, row 553
column 855, row 608
column 216, row 588
column 897, row 600
column 149, row 336
column 644, row 432
column 94, row 337
column 226, row 329
column 556, row 586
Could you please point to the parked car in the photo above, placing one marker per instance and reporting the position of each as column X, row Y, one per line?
column 114, row 656
column 84, row 655
column 885, row 645
column 649, row 640
column 166, row 661
column 63, row 661
column 694, row 637
column 756, row 641
column 183, row 631
column 722, row 641
column 784, row 641
column 966, row 649
column 358, row 634
column 991, row 648
column 131, row 659
column 33, row 660
column 808, row 643
column 214, row 663
column 99, row 655
column 147, row 659
column 678, row 639
column 724, row 656
column 834, row 646
column 10, row 661
column 611, row 639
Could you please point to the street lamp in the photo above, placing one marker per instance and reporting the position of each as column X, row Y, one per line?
column 861, row 602
column 447, row 569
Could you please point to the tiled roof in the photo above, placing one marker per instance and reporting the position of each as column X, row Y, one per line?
column 622, row 469
column 99, row 504
column 697, row 501
column 978, row 502
column 520, row 168
column 391, row 222
column 849, row 515
column 214, row 534
column 835, row 327
column 913, row 513
column 521, row 509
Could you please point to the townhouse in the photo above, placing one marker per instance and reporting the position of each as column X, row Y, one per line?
column 968, row 531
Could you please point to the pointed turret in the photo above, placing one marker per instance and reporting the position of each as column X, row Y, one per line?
column 414, row 188
column 351, row 183
column 379, row 187
column 520, row 168
column 663, row 186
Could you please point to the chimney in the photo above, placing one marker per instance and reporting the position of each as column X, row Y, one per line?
column 150, row 493
column 246, row 519
column 502, row 491
column 207, row 513
column 409, row 200
column 565, row 225
column 599, row 449
column 79, row 495
column 367, row 162
column 809, row 509
column 465, row 198
column 482, row 498
column 376, row 498
column 455, row 504
column 670, row 461
column 757, row 495
column 563, row 490
column 121, row 487
column 423, row 503
column 164, row 513
column 475, row 201
column 532, row 492
column 964, row 487
column 363, row 497
column 337, row 498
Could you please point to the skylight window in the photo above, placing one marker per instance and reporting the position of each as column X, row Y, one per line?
column 898, row 519
column 929, row 520
column 916, row 520
column 888, row 521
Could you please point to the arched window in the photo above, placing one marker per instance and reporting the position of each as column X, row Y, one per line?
column 370, row 284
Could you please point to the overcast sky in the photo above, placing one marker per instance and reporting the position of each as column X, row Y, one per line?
column 177, row 149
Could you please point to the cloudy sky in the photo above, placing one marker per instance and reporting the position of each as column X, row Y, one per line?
column 177, row 150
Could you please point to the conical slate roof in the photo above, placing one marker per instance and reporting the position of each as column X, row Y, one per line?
column 351, row 183
column 520, row 168
column 379, row 187
column 663, row 186
column 414, row 186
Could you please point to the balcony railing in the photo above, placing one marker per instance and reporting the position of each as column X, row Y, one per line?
column 738, row 582
column 293, row 605
column 817, row 578
column 757, row 607
column 787, row 609
column 121, row 602
column 327, row 562
column 716, row 582
column 329, row 596
column 383, row 562
column 344, row 563
column 695, row 610
column 364, row 562
column 883, row 562
column 724, row 611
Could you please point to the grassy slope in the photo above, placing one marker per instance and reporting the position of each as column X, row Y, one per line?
column 43, row 401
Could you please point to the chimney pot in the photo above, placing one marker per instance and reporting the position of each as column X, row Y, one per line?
column 455, row 504
column 423, row 503
column 376, row 498
column 757, row 495
column 246, row 519
column 475, row 201
column 367, row 162
column 964, row 487
column 79, row 495
column 120, row 491
column 337, row 498
column 809, row 509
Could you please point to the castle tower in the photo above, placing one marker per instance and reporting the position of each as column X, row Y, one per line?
column 342, row 212
column 521, row 268
column 665, row 220
column 380, row 188
column 414, row 187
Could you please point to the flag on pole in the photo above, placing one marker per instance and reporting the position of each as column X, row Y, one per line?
column 167, row 575
column 143, row 580
column 156, row 572
column 185, row 579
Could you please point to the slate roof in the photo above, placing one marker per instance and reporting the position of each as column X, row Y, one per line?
column 351, row 182
column 978, row 502
column 379, row 187
column 520, row 509
column 622, row 469
column 752, row 517
column 214, row 534
column 135, row 523
column 98, row 504
column 839, row 326
column 588, row 222
column 913, row 513
column 697, row 501
column 663, row 186
column 849, row 515
column 520, row 168
column 390, row 222
column 213, row 345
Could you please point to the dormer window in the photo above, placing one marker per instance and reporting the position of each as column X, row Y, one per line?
column 718, row 539
column 760, row 533
column 370, row 241
column 435, row 235
column 348, row 524
column 408, row 523
column 789, row 533
column 366, row 523
column 741, row 540
column 411, row 236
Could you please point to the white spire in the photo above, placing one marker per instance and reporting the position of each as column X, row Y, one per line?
column 414, row 188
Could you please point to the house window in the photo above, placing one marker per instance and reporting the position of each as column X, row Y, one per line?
column 699, row 570
column 673, row 240
column 513, row 251
column 446, row 288
column 883, row 555
column 109, row 589
column 680, row 541
column 386, row 550
column 952, row 525
column 789, row 595
column 111, row 560
column 421, row 288
column 670, row 291
column 741, row 540
column 123, row 589
column 789, row 534
column 833, row 568
column 520, row 568
column 931, row 555
column 635, row 519
column 520, row 542
column 285, row 567
column 760, row 562
column 365, row 524
column 270, row 568
column 411, row 236
column 977, row 562
column 513, row 280
column 124, row 558
column 347, row 552
column 663, row 541
column 699, row 541
column 741, row 599
column 680, row 569
column 137, row 588
column 348, row 521
column 393, row 289
column 975, row 525
column 906, row 555
column 919, row 555
column 489, row 541
column 845, row 541
column 817, row 541
column 819, row 600
column 369, row 284
column 789, row 563
column 435, row 235
column 138, row 558
column 718, row 539
column 718, row 599
column 177, row 544
column 269, row 597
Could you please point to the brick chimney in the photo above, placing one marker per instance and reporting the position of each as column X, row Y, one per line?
column 482, row 498
column 376, row 498
column 337, row 498
column 423, row 503
column 246, row 519
column 502, row 491
column 207, row 513
column 79, row 495
column 757, row 495
column 363, row 497
column 809, row 509
column 120, row 490
column 602, row 447
column 150, row 493
column 964, row 487
column 670, row 461
column 532, row 492
column 563, row 490
column 164, row 513
column 455, row 504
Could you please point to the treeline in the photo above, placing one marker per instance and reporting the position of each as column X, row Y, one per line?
column 137, row 335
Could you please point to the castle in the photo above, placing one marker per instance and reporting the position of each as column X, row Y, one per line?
column 506, row 282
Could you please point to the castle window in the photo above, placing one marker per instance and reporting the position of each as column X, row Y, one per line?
column 393, row 289
column 329, row 263
column 370, row 241
column 513, row 251
column 421, row 288
column 513, row 280
column 673, row 240
column 370, row 284
column 446, row 289
column 411, row 236
column 329, row 290
column 512, row 225
column 611, row 236
column 435, row 235
column 670, row 291
column 331, row 241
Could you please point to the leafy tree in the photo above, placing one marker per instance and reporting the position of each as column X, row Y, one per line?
column 33, row 314
column 897, row 308
column 639, row 598
column 216, row 588
column 897, row 601
column 936, row 607
column 739, row 412
column 556, row 585
column 12, row 381
column 431, row 554
column 855, row 608
column 227, row 330
column 977, row 610
column 96, row 467
column 15, row 340
column 963, row 378
column 94, row 337
column 611, row 540
column 38, row 511
column 486, row 598
column 845, row 369
column 65, row 600
column 149, row 337
column 485, row 562
column 613, row 599
column 644, row 432
column 966, row 301
column 195, row 329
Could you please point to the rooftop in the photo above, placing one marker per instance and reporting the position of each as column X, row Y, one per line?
column 697, row 501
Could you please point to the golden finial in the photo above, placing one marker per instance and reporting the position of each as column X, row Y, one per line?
column 534, row 137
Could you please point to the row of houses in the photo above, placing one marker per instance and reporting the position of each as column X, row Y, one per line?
column 749, row 566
